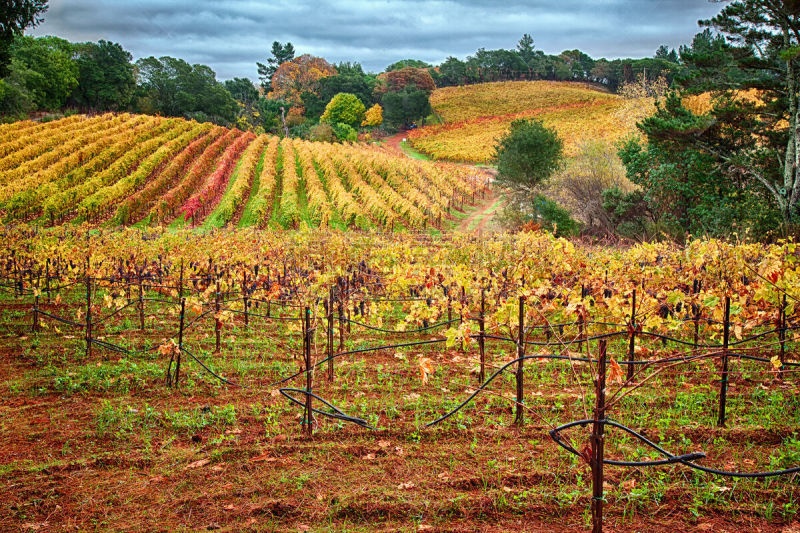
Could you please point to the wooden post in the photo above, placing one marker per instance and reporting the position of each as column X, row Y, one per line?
column 341, row 324
column 180, row 282
column 217, row 323
column 35, row 313
column 696, row 313
column 244, row 293
column 47, row 279
column 269, row 290
column 782, row 334
column 449, row 306
column 481, row 339
column 598, row 441
column 347, row 296
column 308, row 418
column 141, row 303
column 519, row 419
column 632, row 343
column 329, row 307
column 180, row 341
column 88, row 312
column 723, row 388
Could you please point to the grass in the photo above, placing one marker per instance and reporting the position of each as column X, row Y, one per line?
column 101, row 442
column 412, row 152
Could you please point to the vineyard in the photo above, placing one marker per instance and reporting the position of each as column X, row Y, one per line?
column 475, row 116
column 121, row 169
column 334, row 380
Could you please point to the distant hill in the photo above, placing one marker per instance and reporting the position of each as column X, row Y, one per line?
column 475, row 116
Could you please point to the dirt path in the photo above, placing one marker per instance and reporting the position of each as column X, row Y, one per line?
column 480, row 219
column 477, row 221
column 394, row 141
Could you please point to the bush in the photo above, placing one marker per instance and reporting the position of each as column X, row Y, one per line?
column 322, row 132
column 344, row 132
column 543, row 211
column 579, row 187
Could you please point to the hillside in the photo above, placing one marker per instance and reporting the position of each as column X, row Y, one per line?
column 143, row 170
column 475, row 116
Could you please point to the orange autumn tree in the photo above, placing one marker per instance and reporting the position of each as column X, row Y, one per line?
column 298, row 75
column 397, row 80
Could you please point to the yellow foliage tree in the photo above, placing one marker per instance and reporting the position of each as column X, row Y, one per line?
column 298, row 75
column 373, row 116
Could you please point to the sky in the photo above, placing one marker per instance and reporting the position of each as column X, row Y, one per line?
column 231, row 35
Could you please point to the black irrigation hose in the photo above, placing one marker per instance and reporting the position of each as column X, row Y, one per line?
column 670, row 458
column 120, row 349
column 360, row 350
column 492, row 378
column 271, row 317
column 420, row 330
column 60, row 319
column 576, row 359
column 337, row 414
column 190, row 354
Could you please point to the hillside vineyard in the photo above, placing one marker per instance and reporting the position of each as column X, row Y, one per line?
column 124, row 169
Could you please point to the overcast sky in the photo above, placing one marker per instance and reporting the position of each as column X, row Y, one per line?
column 231, row 35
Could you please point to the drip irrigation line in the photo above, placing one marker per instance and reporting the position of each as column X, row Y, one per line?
column 60, row 319
column 420, row 330
column 492, row 378
column 120, row 349
column 337, row 414
column 670, row 458
column 360, row 350
column 190, row 354
column 271, row 317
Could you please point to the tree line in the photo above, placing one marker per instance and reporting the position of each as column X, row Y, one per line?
column 719, row 157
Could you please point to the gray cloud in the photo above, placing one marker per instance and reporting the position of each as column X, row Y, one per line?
column 231, row 35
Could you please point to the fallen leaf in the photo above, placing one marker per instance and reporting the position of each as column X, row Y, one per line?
column 198, row 464
column 384, row 443
column 265, row 457
column 407, row 485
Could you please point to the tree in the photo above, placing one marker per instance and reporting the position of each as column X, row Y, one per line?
column 526, row 156
column 373, row 116
column 753, row 141
column 667, row 54
column 173, row 87
column 106, row 78
column 270, row 113
column 397, row 80
column 580, row 64
column 242, row 90
column 452, row 72
column 15, row 16
column 525, row 48
column 346, row 81
column 45, row 68
column 300, row 74
column 404, row 63
column 402, row 108
column 344, row 108
column 281, row 53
